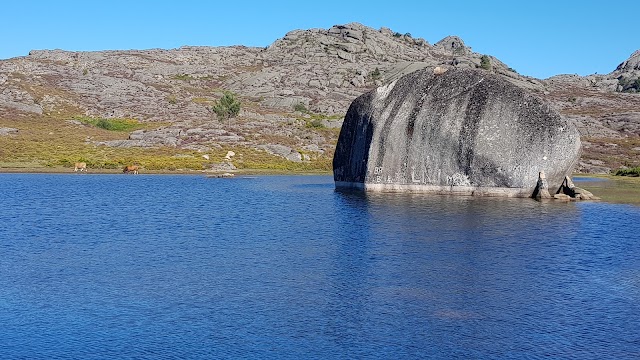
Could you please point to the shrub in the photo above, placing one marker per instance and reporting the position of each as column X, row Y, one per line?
column 375, row 74
column 227, row 107
column 485, row 62
column 105, row 124
column 300, row 107
column 184, row 77
column 628, row 172
column 397, row 35
column 316, row 124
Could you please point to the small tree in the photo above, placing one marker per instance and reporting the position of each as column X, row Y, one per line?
column 227, row 107
column 375, row 74
column 485, row 62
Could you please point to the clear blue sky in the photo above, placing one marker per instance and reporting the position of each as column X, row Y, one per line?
column 537, row 38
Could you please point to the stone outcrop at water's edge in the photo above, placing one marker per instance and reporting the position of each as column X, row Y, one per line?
column 462, row 131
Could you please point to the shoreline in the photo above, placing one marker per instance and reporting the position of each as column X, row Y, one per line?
column 610, row 188
column 62, row 170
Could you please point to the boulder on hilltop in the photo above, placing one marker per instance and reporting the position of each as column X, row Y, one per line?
column 631, row 64
column 463, row 131
column 453, row 45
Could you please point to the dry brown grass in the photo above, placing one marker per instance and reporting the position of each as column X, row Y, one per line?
column 613, row 152
column 594, row 103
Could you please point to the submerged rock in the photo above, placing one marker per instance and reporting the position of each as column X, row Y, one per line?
column 463, row 131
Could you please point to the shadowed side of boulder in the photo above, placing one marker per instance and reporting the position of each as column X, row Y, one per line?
column 461, row 131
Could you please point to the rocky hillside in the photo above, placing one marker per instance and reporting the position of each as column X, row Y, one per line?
column 606, row 109
column 294, row 92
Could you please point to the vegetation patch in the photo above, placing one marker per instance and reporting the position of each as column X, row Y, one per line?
column 45, row 143
column 485, row 62
column 634, row 172
column 300, row 107
column 616, row 189
column 375, row 74
column 262, row 160
column 202, row 100
column 111, row 124
column 315, row 124
column 316, row 121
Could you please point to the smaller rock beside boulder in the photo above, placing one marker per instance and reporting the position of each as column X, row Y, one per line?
column 563, row 197
column 566, row 192
column 542, row 188
column 574, row 192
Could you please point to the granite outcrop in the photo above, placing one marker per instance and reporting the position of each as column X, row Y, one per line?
column 462, row 131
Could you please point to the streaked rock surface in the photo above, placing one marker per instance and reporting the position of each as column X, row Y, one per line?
column 464, row 131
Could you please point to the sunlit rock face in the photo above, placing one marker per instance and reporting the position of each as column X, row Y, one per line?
column 461, row 131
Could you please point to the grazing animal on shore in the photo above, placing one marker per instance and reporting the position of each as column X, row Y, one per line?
column 80, row 166
column 131, row 169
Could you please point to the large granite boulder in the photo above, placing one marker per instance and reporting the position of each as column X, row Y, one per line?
column 461, row 131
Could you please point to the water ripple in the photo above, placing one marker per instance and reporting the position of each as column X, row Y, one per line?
column 174, row 267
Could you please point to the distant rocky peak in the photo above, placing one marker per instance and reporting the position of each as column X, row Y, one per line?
column 631, row 64
column 354, row 31
column 361, row 33
column 454, row 45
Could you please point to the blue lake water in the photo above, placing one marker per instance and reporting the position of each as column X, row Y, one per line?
column 187, row 267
